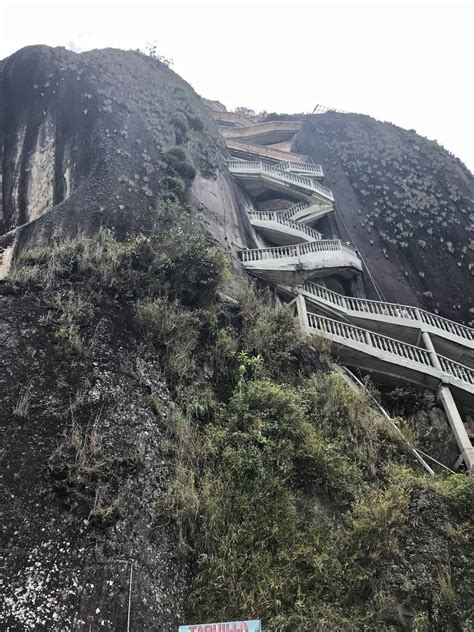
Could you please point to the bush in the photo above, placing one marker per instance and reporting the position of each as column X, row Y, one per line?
column 377, row 523
column 179, row 164
column 174, row 185
column 177, row 261
column 196, row 123
column 173, row 331
column 243, row 503
column 180, row 123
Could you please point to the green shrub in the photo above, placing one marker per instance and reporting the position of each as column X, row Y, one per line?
column 242, row 493
column 174, row 185
column 196, row 123
column 179, row 164
column 181, row 127
column 177, row 261
column 174, row 331
column 378, row 521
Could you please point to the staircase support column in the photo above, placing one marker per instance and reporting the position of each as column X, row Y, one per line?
column 457, row 426
column 302, row 315
column 429, row 346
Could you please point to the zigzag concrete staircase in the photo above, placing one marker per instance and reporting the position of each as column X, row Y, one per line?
column 293, row 264
column 399, row 359
column 372, row 335
column 285, row 177
column 404, row 321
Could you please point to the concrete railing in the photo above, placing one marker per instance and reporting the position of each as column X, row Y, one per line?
column 302, row 167
column 279, row 155
column 397, row 348
column 294, row 209
column 261, row 128
column 232, row 117
column 280, row 252
column 457, row 370
column 273, row 216
column 447, row 325
column 257, row 166
column 361, row 307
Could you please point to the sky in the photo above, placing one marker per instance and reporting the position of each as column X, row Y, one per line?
column 407, row 62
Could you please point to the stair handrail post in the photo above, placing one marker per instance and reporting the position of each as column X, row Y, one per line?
column 418, row 315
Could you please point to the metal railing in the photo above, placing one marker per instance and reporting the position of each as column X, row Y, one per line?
column 364, row 306
column 273, row 216
column 400, row 349
column 246, row 166
column 280, row 252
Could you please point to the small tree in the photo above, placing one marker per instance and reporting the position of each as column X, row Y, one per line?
column 152, row 50
column 245, row 111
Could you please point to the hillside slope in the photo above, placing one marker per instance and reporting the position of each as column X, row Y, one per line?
column 173, row 449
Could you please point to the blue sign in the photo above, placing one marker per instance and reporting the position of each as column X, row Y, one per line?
column 233, row 626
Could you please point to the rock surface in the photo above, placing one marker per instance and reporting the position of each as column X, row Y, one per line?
column 405, row 203
column 72, row 534
column 82, row 144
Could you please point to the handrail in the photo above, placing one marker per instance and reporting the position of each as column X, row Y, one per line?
column 456, row 369
column 320, row 188
column 232, row 117
column 409, row 352
column 273, row 216
column 259, row 254
column 275, row 170
column 295, row 208
column 395, row 310
column 290, row 165
column 290, row 126
column 271, row 153
column 278, row 252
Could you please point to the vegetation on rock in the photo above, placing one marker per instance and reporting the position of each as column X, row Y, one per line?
column 295, row 501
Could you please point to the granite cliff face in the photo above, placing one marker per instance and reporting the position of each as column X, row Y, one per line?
column 83, row 142
column 85, row 146
column 140, row 402
column 405, row 203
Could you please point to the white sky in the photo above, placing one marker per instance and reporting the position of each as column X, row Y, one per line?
column 411, row 63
